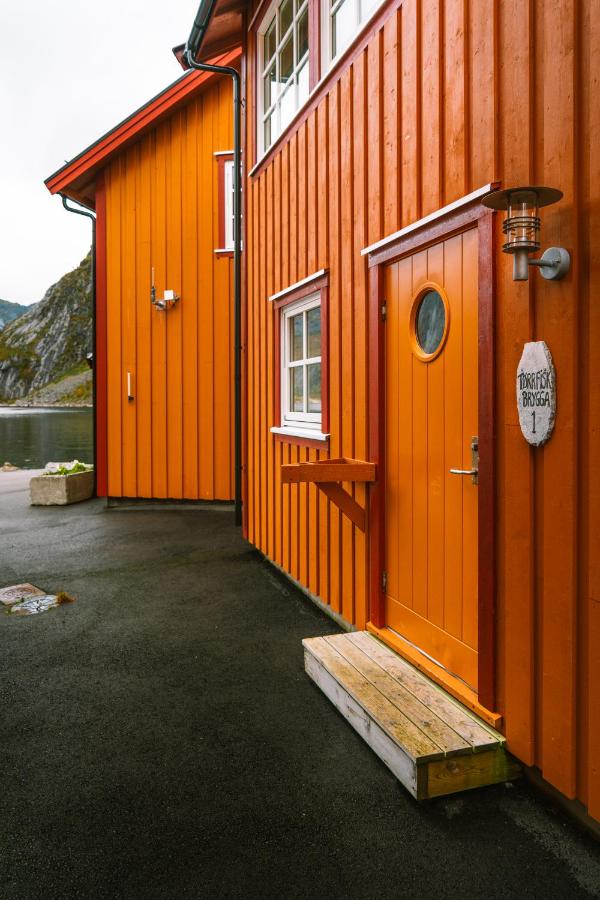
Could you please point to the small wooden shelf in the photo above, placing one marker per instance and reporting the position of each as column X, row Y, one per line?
column 328, row 475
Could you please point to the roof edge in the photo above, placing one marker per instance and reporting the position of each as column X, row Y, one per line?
column 129, row 128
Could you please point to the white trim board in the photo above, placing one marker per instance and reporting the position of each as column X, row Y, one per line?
column 438, row 214
column 298, row 284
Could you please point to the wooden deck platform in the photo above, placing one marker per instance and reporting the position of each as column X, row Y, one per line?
column 431, row 743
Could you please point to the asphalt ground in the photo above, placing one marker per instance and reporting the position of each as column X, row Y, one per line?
column 159, row 738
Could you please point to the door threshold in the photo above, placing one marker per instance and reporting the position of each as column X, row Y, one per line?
column 451, row 683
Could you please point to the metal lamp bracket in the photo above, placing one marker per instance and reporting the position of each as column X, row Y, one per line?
column 553, row 264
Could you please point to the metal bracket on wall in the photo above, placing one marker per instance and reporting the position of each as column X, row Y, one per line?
column 328, row 475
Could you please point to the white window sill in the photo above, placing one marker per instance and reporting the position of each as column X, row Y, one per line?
column 290, row 431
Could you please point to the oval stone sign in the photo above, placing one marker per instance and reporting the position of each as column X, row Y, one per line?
column 536, row 393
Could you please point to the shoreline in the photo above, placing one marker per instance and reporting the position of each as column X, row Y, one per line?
column 46, row 406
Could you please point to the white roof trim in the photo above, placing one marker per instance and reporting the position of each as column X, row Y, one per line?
column 223, row 153
column 298, row 284
column 462, row 201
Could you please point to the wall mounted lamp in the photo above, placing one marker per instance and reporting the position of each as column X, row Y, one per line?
column 522, row 227
column 165, row 302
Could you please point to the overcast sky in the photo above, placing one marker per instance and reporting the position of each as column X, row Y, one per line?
column 69, row 71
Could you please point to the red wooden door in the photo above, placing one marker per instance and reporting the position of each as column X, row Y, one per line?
column 431, row 541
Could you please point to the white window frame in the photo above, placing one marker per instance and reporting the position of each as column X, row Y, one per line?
column 362, row 16
column 292, row 83
column 228, row 196
column 306, row 421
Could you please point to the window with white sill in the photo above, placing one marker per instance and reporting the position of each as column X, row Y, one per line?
column 283, row 55
column 228, row 206
column 301, row 406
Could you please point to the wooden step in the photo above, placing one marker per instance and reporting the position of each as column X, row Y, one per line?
column 431, row 743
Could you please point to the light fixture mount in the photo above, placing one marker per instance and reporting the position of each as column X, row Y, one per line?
column 522, row 227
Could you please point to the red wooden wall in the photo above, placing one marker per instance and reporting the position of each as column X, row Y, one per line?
column 440, row 98
column 175, row 439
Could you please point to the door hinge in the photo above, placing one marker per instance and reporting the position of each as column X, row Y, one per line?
column 384, row 581
column 384, row 311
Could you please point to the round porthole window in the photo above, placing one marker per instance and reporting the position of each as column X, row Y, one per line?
column 430, row 322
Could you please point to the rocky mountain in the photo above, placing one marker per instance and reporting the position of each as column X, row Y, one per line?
column 10, row 311
column 50, row 340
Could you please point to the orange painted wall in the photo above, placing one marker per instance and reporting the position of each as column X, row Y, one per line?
column 443, row 97
column 175, row 440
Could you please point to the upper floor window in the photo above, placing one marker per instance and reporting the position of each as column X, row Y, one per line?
column 343, row 20
column 228, row 196
column 283, row 66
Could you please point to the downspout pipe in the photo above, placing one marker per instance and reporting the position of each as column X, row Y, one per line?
column 90, row 215
column 199, row 27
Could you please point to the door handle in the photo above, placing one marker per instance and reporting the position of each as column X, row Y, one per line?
column 473, row 472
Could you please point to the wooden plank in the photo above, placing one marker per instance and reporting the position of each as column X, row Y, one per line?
column 442, row 735
column 174, row 409
column 206, row 312
column 431, row 106
column 189, row 293
column 386, row 749
column 437, row 474
column 557, row 322
column 329, row 470
column 391, row 125
column 360, row 329
column 396, row 725
column 144, row 319
column 113, row 334
column 410, row 129
column 462, row 773
column 346, row 503
column 437, row 676
column 475, row 732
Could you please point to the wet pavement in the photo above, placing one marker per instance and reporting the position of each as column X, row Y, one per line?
column 160, row 739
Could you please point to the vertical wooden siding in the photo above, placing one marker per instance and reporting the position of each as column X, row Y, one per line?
column 442, row 97
column 175, row 440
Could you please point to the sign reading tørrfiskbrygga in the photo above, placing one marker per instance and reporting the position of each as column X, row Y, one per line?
column 536, row 393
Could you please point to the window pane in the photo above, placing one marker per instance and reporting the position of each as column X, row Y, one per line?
column 302, row 42
column 431, row 322
column 313, row 327
column 343, row 26
column 297, row 389
column 367, row 7
column 314, row 388
column 286, row 14
column 270, row 88
column 288, row 106
column 296, row 337
column 268, row 132
column 303, row 84
column 286, row 59
column 269, row 43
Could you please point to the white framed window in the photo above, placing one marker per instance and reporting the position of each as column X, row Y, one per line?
column 228, row 205
column 283, row 74
column 340, row 23
column 301, row 392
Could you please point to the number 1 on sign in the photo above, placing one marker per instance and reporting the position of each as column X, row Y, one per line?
column 533, row 414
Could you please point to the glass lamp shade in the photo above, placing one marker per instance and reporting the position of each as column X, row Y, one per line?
column 522, row 223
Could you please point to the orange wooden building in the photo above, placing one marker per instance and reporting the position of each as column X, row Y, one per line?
column 160, row 185
column 383, row 325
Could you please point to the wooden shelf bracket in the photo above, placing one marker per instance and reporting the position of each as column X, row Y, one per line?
column 328, row 475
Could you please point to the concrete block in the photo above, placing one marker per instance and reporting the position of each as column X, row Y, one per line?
column 59, row 490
